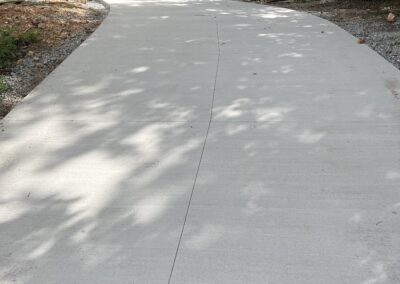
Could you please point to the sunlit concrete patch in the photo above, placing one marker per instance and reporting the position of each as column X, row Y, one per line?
column 288, row 201
column 140, row 88
column 80, row 198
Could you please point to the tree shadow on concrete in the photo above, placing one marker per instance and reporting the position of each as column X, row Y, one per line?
column 98, row 163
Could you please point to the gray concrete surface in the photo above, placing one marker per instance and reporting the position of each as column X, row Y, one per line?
column 111, row 172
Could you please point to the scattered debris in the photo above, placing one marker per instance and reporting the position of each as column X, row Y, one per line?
column 391, row 18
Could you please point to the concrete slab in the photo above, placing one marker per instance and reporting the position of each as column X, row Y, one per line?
column 293, row 206
column 94, row 202
column 113, row 170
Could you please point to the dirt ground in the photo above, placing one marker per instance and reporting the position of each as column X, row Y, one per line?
column 365, row 19
column 61, row 27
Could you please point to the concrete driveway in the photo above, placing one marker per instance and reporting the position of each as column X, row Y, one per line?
column 205, row 142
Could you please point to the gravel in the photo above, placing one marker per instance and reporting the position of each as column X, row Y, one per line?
column 381, row 36
column 37, row 64
column 32, row 69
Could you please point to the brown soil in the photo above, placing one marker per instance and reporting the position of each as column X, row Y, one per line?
column 61, row 26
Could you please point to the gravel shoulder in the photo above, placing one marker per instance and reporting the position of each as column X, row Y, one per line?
column 61, row 27
column 367, row 20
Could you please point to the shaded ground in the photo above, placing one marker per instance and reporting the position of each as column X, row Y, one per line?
column 60, row 27
column 363, row 19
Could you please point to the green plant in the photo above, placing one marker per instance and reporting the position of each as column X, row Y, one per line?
column 3, row 85
column 28, row 37
column 10, row 44
column 8, row 48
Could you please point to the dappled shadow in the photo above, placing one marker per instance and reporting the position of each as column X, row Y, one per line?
column 299, row 177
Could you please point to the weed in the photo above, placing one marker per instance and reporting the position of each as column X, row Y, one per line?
column 3, row 85
column 10, row 45
column 28, row 37
column 8, row 48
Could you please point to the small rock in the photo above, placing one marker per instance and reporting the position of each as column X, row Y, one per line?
column 41, row 25
column 35, row 22
column 391, row 18
column 30, row 53
column 361, row 41
column 89, row 30
column 64, row 35
column 36, row 58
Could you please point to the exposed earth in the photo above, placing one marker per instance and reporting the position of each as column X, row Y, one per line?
column 60, row 28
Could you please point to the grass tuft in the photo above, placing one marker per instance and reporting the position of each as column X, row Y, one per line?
column 28, row 37
column 10, row 45
column 3, row 85
column 8, row 48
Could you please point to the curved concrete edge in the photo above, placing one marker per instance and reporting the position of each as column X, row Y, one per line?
column 332, row 23
column 106, row 5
